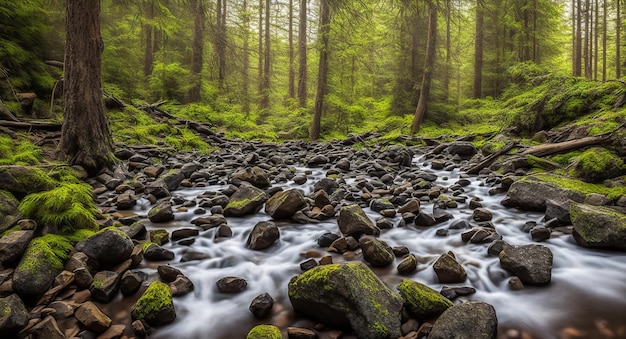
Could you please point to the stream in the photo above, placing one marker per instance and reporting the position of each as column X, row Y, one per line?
column 585, row 298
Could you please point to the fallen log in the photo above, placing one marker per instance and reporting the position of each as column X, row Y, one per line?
column 560, row 147
column 491, row 158
column 30, row 125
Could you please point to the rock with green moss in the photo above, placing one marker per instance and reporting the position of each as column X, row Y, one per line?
column 155, row 306
column 421, row 301
column 599, row 227
column 24, row 180
column 284, row 204
column 471, row 320
column 40, row 264
column 245, row 201
column 353, row 221
column 13, row 245
column 162, row 212
column 376, row 252
column 264, row 332
column 9, row 213
column 597, row 164
column 348, row 294
column 108, row 247
column 531, row 192
column 13, row 316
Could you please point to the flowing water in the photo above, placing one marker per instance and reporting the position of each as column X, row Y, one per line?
column 586, row 296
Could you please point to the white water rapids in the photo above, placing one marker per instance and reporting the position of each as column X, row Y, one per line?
column 587, row 291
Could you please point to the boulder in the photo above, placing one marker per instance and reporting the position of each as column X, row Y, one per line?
column 284, row 204
column 104, row 286
column 155, row 252
column 37, row 268
column 155, row 306
column 246, row 200
column 348, row 293
column 376, row 252
column 256, row 176
column 162, row 212
column 327, row 184
column 126, row 201
column 261, row 306
column 408, row 265
column 531, row 192
column 130, row 282
column 461, row 148
column 353, row 221
column 13, row 245
column 263, row 235
column 470, row 320
column 264, row 332
column 378, row 205
column 448, row 270
column 181, row 286
column 231, row 284
column 172, row 179
column 24, row 180
column 13, row 315
column 92, row 318
column 599, row 227
column 421, row 301
column 531, row 263
column 108, row 247
column 9, row 213
column 46, row 328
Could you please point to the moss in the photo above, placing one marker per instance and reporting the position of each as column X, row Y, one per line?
column 146, row 245
column 18, row 151
column 49, row 250
column 158, row 236
column 68, row 207
column 597, row 164
column 381, row 330
column 80, row 235
column 157, row 297
column 422, row 301
column 579, row 185
column 264, row 332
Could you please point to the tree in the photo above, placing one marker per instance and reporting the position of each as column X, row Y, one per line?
column 85, row 138
column 197, row 51
column 292, row 75
column 429, row 65
column 302, row 56
column 246, row 59
column 322, row 73
column 478, row 50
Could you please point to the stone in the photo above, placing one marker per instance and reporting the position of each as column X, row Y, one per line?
column 317, row 159
column 9, row 212
column 559, row 210
column 168, row 273
column 540, row 233
column 531, row 263
column 261, row 305
column 531, row 193
column 327, row 239
column 448, row 270
column 424, row 219
column 461, row 148
column 46, row 328
column 421, row 301
column 155, row 306
column 376, row 252
column 184, row 233
column 256, row 176
column 13, row 315
column 481, row 214
column 378, row 205
column 353, row 221
column 181, row 286
column 126, row 201
column 598, row 227
column 231, row 284
column 131, row 282
column 159, row 236
column 113, row 332
column 348, row 294
column 412, row 206
column 172, row 179
column 453, row 292
column 472, row 319
column 300, row 333
column 104, row 286
column 23, row 180
column 13, row 245
column 408, row 265
column 92, row 318
column 245, row 201
column 264, row 332
column 162, row 212
column 191, row 255
column 308, row 264
column 283, row 205
column 263, row 235
column 37, row 269
column 108, row 247
column 155, row 252
column 327, row 184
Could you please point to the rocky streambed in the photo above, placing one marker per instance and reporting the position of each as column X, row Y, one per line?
column 333, row 241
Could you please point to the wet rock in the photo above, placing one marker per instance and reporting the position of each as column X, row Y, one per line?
column 256, row 176
column 264, row 332
column 412, row 206
column 223, row 231
column 327, row 239
column 36, row 270
column 155, row 252
column 448, row 270
column 376, row 252
column 130, row 282
column 422, row 301
column 46, row 328
column 424, row 220
column 300, row 333
column 261, row 306
column 458, row 225
column 158, row 189
column 496, row 247
column 343, row 164
column 155, row 306
column 531, row 193
column 440, row 215
column 181, row 286
column 126, row 201
column 531, row 263
column 461, row 148
column 231, row 284
column 172, row 179
column 246, row 200
column 9, row 212
column 92, row 318
column 384, row 223
column 168, row 273
column 283, row 205
column 263, row 235
column 353, row 221
column 194, row 256
column 13, row 315
column 327, row 184
column 481, row 214
column 104, row 286
column 467, row 320
column 453, row 292
column 516, row 284
column 598, row 227
column 162, row 212
column 540, row 233
column 350, row 293
column 13, row 245
column 308, row 264
column 108, row 247
column 378, row 205
column 558, row 210
column 159, row 236
column 318, row 159
column 184, row 233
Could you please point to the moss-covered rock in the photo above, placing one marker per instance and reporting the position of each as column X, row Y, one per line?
column 155, row 306
column 41, row 263
column 531, row 192
column 597, row 164
column 348, row 294
column 353, row 221
column 284, row 204
column 9, row 212
column 264, row 332
column 421, row 301
column 23, row 180
column 597, row 226
column 13, row 315
column 475, row 320
column 246, row 200
column 108, row 247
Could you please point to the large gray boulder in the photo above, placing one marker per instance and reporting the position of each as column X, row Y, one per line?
column 37, row 269
column 263, row 235
column 108, row 247
column 471, row 320
column 13, row 315
column 246, row 200
column 284, row 204
column 353, row 221
column 24, row 180
column 531, row 263
column 597, row 226
column 162, row 212
column 348, row 294
column 531, row 192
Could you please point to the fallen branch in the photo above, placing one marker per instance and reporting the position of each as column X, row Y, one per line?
column 30, row 125
column 491, row 158
column 549, row 149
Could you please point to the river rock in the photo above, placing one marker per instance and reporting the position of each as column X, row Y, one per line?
column 261, row 306
column 162, row 212
column 108, row 247
column 481, row 214
column 24, row 180
column 412, row 206
column 327, row 184
column 318, row 159
column 246, row 200
column 130, row 282
column 256, row 176
column 155, row 306
column 263, row 235
column 376, row 252
column 348, row 293
column 421, row 301
column 172, row 179
column 407, row 265
column 531, row 193
column 264, row 332
column 168, row 273
column 13, row 315
column 46, row 328
column 284, row 204
column 461, row 148
column 92, row 318
column 104, row 286
column 13, row 245
column 353, row 221
column 36, row 270
column 378, row 205
column 599, row 227
column 181, row 286
column 558, row 210
column 231, row 284
column 424, row 219
column 300, row 333
column 9, row 213
column 471, row 320
column 327, row 239
column 155, row 252
column 448, row 270
column 531, row 263
column 126, row 201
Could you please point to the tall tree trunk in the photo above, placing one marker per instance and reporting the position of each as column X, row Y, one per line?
column 587, row 61
column 302, row 55
column 478, row 50
column 579, row 41
column 595, row 40
column 448, row 67
column 322, row 74
column 429, row 65
column 292, row 75
column 197, row 48
column 148, row 29
column 574, row 45
column 85, row 137
column 604, row 29
column 220, row 41
column 246, row 60
column 618, row 40
column 260, row 43
column 265, row 95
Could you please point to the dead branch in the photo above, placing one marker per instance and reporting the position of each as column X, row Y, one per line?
column 491, row 158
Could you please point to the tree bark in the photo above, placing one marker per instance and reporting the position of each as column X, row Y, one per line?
column 604, row 30
column 86, row 138
column 548, row 149
column 260, row 52
column 429, row 65
column 579, row 41
column 448, row 67
column 618, row 40
column 220, row 41
column 265, row 92
column 292, row 75
column 478, row 50
column 197, row 51
column 322, row 74
column 302, row 55
column 149, row 52
column 246, row 59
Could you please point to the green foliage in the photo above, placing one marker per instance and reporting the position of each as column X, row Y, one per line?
column 55, row 248
column 155, row 299
column 169, row 81
column 597, row 164
column 80, row 235
column 18, row 151
column 68, row 207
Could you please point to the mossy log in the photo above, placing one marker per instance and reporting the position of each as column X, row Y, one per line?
column 566, row 146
